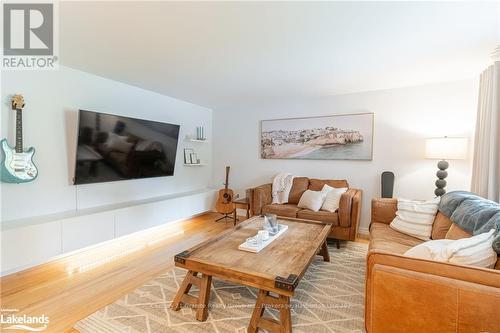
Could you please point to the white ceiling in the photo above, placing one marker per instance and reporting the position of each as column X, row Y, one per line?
column 228, row 53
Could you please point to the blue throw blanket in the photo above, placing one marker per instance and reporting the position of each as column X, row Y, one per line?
column 472, row 213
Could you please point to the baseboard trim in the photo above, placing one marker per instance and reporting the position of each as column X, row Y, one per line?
column 363, row 233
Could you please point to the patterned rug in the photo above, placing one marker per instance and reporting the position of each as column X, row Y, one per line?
column 329, row 298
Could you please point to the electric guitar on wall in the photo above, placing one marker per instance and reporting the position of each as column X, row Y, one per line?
column 17, row 165
column 224, row 204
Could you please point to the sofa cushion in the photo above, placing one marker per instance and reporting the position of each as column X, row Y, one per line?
column 440, row 226
column 287, row 210
column 317, row 184
column 456, row 232
column 299, row 186
column 319, row 216
column 384, row 238
column 384, row 210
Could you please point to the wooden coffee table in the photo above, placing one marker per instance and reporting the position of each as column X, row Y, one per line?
column 275, row 271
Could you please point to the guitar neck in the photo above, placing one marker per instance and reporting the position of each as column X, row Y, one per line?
column 19, row 131
column 227, row 178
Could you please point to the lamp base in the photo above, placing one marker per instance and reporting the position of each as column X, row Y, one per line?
column 441, row 174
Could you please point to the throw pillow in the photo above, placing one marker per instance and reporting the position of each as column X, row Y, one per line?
column 312, row 200
column 474, row 251
column 332, row 198
column 430, row 250
column 415, row 218
column 327, row 188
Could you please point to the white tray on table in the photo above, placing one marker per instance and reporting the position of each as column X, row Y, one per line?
column 256, row 249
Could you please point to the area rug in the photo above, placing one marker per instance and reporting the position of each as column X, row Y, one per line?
column 329, row 298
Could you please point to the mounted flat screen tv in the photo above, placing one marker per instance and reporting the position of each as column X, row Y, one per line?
column 112, row 148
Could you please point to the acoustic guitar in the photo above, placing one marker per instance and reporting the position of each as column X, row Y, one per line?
column 17, row 165
column 224, row 204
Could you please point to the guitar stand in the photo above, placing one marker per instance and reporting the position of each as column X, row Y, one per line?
column 227, row 216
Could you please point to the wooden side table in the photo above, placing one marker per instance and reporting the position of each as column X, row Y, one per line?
column 243, row 203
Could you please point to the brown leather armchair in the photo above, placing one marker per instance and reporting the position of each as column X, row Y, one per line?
column 344, row 221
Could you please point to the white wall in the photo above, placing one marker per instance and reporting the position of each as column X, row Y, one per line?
column 50, row 124
column 404, row 117
column 50, row 120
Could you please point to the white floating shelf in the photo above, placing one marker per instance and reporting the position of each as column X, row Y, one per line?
column 196, row 140
column 195, row 164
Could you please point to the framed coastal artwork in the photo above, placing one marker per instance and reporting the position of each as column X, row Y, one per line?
column 335, row 137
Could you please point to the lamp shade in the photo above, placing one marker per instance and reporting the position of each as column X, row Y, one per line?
column 446, row 148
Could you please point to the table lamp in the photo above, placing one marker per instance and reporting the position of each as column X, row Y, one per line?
column 444, row 149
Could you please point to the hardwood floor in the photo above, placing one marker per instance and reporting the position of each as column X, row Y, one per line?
column 71, row 288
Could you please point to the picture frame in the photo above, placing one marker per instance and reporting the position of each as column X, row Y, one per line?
column 187, row 155
column 330, row 137
column 194, row 158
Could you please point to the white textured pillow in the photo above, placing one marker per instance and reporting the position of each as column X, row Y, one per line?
column 327, row 188
column 415, row 218
column 332, row 199
column 431, row 250
column 474, row 251
column 312, row 200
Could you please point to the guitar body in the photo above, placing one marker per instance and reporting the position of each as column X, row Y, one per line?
column 224, row 204
column 17, row 167
column 17, row 164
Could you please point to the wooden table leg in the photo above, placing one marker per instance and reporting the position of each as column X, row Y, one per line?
column 202, row 311
column 200, row 303
column 258, row 320
column 285, row 314
column 324, row 252
column 183, row 290
column 258, row 311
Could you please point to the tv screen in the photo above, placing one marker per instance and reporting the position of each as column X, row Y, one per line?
column 114, row 148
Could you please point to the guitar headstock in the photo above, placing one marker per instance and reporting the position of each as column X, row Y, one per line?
column 17, row 102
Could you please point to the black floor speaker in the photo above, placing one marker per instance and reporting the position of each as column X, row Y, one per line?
column 387, row 184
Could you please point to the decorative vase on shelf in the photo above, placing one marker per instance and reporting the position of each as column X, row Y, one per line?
column 200, row 133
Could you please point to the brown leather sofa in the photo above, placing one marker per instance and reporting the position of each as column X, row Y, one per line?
column 405, row 294
column 344, row 221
